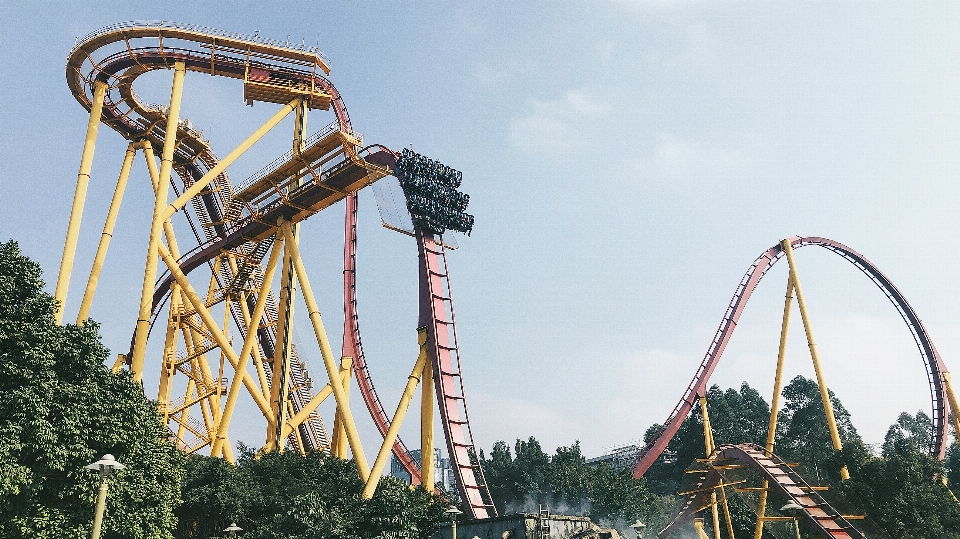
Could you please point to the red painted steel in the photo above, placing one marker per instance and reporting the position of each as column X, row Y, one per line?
column 697, row 387
column 819, row 515
column 352, row 346
column 436, row 314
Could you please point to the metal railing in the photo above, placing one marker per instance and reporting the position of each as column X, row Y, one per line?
column 213, row 32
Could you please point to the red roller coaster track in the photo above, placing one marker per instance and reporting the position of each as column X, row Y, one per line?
column 697, row 387
column 819, row 515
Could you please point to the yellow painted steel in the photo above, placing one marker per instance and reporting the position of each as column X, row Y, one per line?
column 107, row 234
column 824, row 392
column 155, row 179
column 952, row 399
column 427, row 405
column 222, row 165
column 698, row 526
column 726, row 512
column 305, row 412
column 169, row 353
column 248, row 343
column 79, row 197
column 197, row 303
column 775, row 400
column 338, row 443
column 280, row 371
column 709, row 447
column 150, row 273
column 327, row 353
column 394, row 430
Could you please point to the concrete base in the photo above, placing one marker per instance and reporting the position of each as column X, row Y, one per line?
column 527, row 526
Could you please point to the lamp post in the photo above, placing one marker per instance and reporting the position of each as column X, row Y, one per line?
column 638, row 528
column 452, row 513
column 105, row 466
column 792, row 509
column 232, row 529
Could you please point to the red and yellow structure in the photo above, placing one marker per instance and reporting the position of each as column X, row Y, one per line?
column 247, row 239
column 777, row 476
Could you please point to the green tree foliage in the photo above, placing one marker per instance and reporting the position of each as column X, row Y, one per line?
column 736, row 417
column 564, row 482
column 61, row 409
column 802, row 432
column 288, row 495
column 901, row 490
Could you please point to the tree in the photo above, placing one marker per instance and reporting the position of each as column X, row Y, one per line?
column 901, row 490
column 736, row 417
column 289, row 495
column 565, row 482
column 62, row 409
column 802, row 431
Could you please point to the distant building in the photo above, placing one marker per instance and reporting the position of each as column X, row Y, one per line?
column 619, row 458
column 442, row 471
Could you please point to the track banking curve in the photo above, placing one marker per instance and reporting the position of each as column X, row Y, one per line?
column 135, row 48
column 934, row 365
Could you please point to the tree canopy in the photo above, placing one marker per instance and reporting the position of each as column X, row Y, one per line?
column 289, row 495
column 529, row 477
column 61, row 409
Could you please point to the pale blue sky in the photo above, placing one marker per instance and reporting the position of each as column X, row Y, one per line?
column 626, row 161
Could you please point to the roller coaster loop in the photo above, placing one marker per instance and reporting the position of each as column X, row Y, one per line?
column 937, row 375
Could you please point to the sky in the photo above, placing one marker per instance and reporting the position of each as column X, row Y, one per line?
column 626, row 160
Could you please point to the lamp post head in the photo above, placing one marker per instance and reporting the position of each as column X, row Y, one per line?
column 106, row 465
column 232, row 529
column 638, row 528
column 453, row 512
column 791, row 507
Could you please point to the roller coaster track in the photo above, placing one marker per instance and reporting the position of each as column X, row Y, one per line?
column 272, row 71
column 819, row 515
column 936, row 371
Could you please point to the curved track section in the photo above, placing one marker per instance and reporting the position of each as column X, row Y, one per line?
column 697, row 387
column 133, row 49
column 436, row 314
column 819, row 515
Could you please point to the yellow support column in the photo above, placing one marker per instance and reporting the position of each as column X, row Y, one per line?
column 248, row 344
column 212, row 327
column 698, row 527
column 708, row 445
column 327, row 353
column 394, row 429
column 222, row 165
column 338, row 443
column 281, row 353
column 150, row 274
column 79, row 197
column 824, row 392
column 106, row 234
column 775, row 400
column 426, row 417
column 952, row 399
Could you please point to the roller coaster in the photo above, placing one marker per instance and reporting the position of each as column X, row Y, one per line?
column 247, row 237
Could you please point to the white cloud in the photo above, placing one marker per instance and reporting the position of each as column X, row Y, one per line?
column 686, row 160
column 553, row 127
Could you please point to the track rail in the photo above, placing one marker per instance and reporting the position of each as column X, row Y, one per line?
column 933, row 364
column 819, row 515
column 436, row 314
